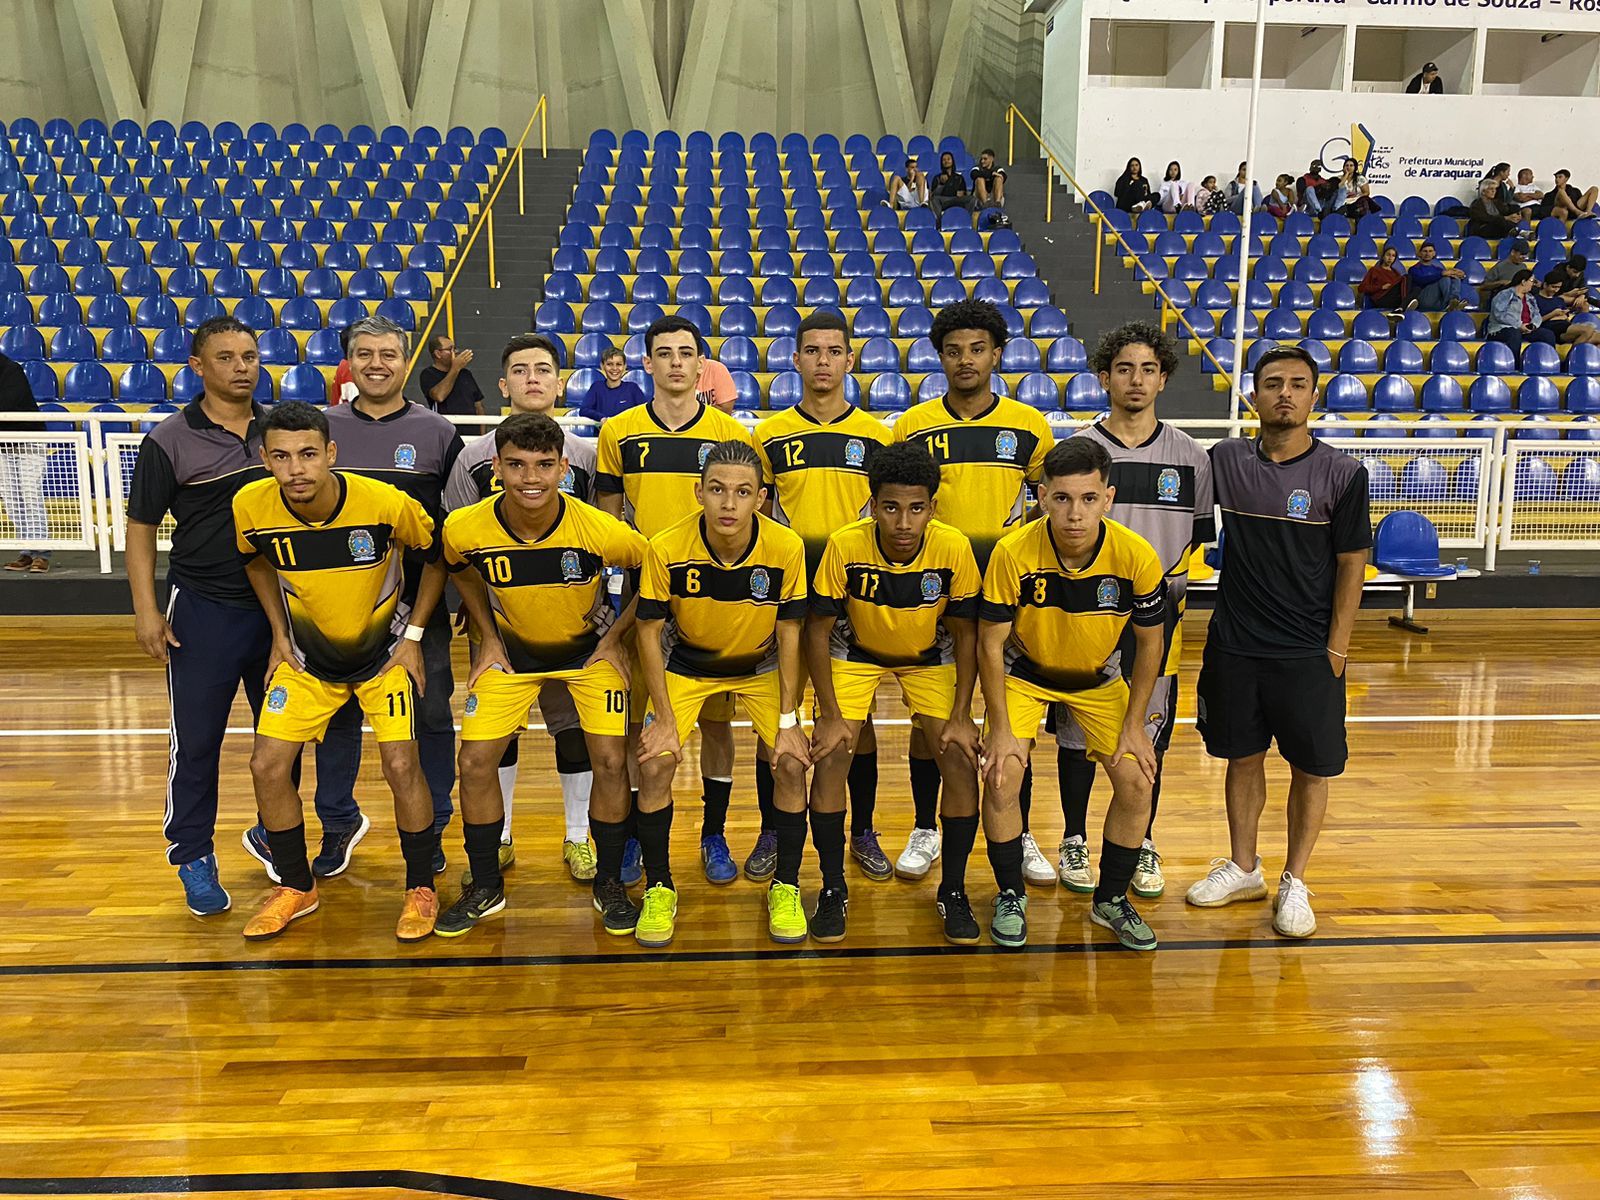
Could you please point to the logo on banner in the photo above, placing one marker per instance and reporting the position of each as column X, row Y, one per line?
column 760, row 583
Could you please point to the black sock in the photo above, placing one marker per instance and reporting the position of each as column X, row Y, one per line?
column 1155, row 800
column 655, row 841
column 764, row 791
column 827, row 835
column 716, row 793
column 417, row 849
column 959, row 834
column 483, row 852
column 1025, row 796
column 1006, row 859
column 289, row 857
column 631, row 821
column 925, row 792
column 1116, row 870
column 1076, row 770
column 610, row 840
column 791, row 830
column 863, row 784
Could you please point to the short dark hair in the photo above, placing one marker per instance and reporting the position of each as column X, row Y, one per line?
column 989, row 150
column 1134, row 333
column 1555, row 276
column 1520, row 276
column 1078, row 456
column 1428, row 246
column 968, row 314
column 1280, row 354
column 530, row 341
column 611, row 352
column 1564, row 171
column 672, row 323
column 295, row 416
column 1578, row 262
column 210, row 329
column 436, row 341
column 732, row 453
column 822, row 319
column 529, row 431
column 903, row 464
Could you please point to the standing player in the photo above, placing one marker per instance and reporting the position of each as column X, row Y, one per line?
column 720, row 607
column 1057, row 596
column 1162, row 482
column 325, row 560
column 896, row 597
column 530, row 381
column 536, row 594
column 815, row 457
column 989, row 448
column 1296, row 520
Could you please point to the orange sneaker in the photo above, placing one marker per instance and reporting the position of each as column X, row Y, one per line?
column 418, row 916
column 283, row 905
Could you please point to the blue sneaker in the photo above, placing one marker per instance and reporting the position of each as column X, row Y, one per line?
column 255, row 843
column 718, row 861
column 202, row 889
column 338, row 844
column 632, row 863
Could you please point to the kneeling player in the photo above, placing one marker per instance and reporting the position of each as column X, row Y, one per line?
column 1056, row 598
column 721, row 601
column 536, row 595
column 895, row 597
column 325, row 561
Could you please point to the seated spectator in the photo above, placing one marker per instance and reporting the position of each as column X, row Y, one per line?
column 948, row 188
column 1236, row 187
column 716, row 386
column 1207, row 197
column 1492, row 215
column 1514, row 316
column 1527, row 194
column 1282, row 200
column 908, row 189
column 1351, row 195
column 1315, row 191
column 1557, row 310
column 1433, row 287
column 1576, row 272
column 1174, row 191
column 1501, row 274
column 448, row 385
column 1384, row 284
column 988, row 183
column 1132, row 189
column 22, row 465
column 610, row 394
column 1426, row 82
column 1566, row 202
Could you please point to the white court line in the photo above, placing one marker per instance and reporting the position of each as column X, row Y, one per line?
column 1387, row 719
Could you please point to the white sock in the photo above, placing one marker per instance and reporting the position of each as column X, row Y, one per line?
column 575, row 790
column 508, row 787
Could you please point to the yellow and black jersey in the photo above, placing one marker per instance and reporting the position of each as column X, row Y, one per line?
column 985, row 463
column 548, row 596
column 818, row 471
column 721, row 618
column 655, row 467
column 341, row 579
column 892, row 614
column 1066, row 623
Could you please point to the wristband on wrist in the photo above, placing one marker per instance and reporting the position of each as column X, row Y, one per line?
column 788, row 720
column 413, row 633
column 1336, row 654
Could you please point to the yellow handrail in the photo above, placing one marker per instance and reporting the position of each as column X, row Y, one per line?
column 443, row 302
column 1013, row 114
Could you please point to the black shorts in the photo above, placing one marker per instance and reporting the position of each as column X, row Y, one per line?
column 1246, row 702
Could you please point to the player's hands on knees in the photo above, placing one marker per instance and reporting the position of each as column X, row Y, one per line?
column 1004, row 752
column 491, row 657
column 791, row 742
column 154, row 635
column 408, row 655
column 961, row 733
column 1135, row 744
column 660, row 738
column 610, row 650
column 828, row 735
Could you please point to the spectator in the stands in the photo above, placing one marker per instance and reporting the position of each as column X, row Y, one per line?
column 1500, row 176
column 611, row 393
column 1527, row 193
column 1499, row 276
column 448, row 384
column 1236, row 187
column 1432, row 286
column 344, row 383
column 1132, row 189
column 1514, row 316
column 909, row 188
column 1426, row 82
column 1315, row 189
column 1206, row 196
column 1281, row 202
column 988, row 183
column 1566, row 202
column 1557, row 310
column 1492, row 217
column 716, row 386
column 1351, row 195
column 1384, row 284
column 22, row 465
column 1174, row 191
column 949, row 186
column 1576, row 272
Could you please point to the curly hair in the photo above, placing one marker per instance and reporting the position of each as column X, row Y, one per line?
column 968, row 314
column 1134, row 333
column 903, row 464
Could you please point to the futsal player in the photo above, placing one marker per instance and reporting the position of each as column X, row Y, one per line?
column 1056, row 598
column 325, row 559
column 1162, row 481
column 530, row 382
column 989, row 448
column 896, row 598
column 1297, row 526
column 815, row 457
column 721, row 603
column 530, row 564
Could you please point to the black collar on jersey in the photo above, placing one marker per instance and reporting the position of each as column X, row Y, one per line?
column 699, row 411
column 1099, row 427
column 344, row 494
column 877, row 538
column 405, row 407
column 1255, row 445
column 816, row 420
column 755, row 534
column 499, row 515
column 195, row 416
column 994, row 403
column 1099, row 543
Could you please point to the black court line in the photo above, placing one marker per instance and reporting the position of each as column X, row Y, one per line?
column 290, row 1181
column 520, row 961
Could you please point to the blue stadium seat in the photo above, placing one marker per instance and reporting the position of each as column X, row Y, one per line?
column 1357, row 357
column 1047, row 321
column 87, row 382
column 1489, row 393
column 1536, row 394
column 1535, row 480
column 1451, row 358
column 921, row 356
column 786, row 390
column 1345, row 393
column 23, row 343
column 1324, row 325
column 303, row 382
column 602, row 317
column 554, row 316
column 142, row 382
column 932, row 386
column 739, row 353
column 1038, row 390
column 1403, row 357
column 1020, row 356
column 1084, row 393
column 1442, row 394
column 915, row 321
column 1540, row 358
column 323, row 348
column 278, row 347
column 1394, row 393
column 1371, row 324
column 878, row 354
column 1495, row 358
column 1381, row 483
column 125, row 344
column 889, row 392
column 782, row 320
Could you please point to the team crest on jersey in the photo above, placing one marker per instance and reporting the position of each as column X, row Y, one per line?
column 705, row 453
column 760, row 583
column 405, row 456
column 363, row 549
column 855, row 452
column 1107, row 594
column 472, row 703
column 932, row 586
column 569, row 482
column 1005, row 445
column 1300, row 503
column 570, row 567
column 1168, row 485
column 278, row 699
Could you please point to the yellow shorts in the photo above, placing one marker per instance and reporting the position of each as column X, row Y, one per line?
column 1099, row 712
column 692, row 698
column 716, row 708
column 927, row 691
column 298, row 706
column 498, row 704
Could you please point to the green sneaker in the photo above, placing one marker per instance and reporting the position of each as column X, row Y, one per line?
column 1009, row 925
column 658, row 917
column 1123, row 920
column 786, row 916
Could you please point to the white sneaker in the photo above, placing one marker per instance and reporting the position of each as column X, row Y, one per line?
column 921, row 852
column 1227, row 884
column 1074, row 869
column 1036, row 867
column 1292, row 905
column 1148, row 881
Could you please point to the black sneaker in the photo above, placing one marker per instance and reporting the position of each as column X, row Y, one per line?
column 439, row 863
column 338, row 844
column 960, row 926
column 472, row 906
column 618, row 914
column 827, row 923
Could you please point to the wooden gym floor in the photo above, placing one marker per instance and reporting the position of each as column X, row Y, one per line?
column 1439, row 1036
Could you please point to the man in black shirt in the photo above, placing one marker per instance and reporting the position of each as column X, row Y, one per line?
column 988, row 183
column 1297, row 529
column 448, row 385
column 22, row 466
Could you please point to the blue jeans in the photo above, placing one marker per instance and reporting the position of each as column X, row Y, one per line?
column 1438, row 295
